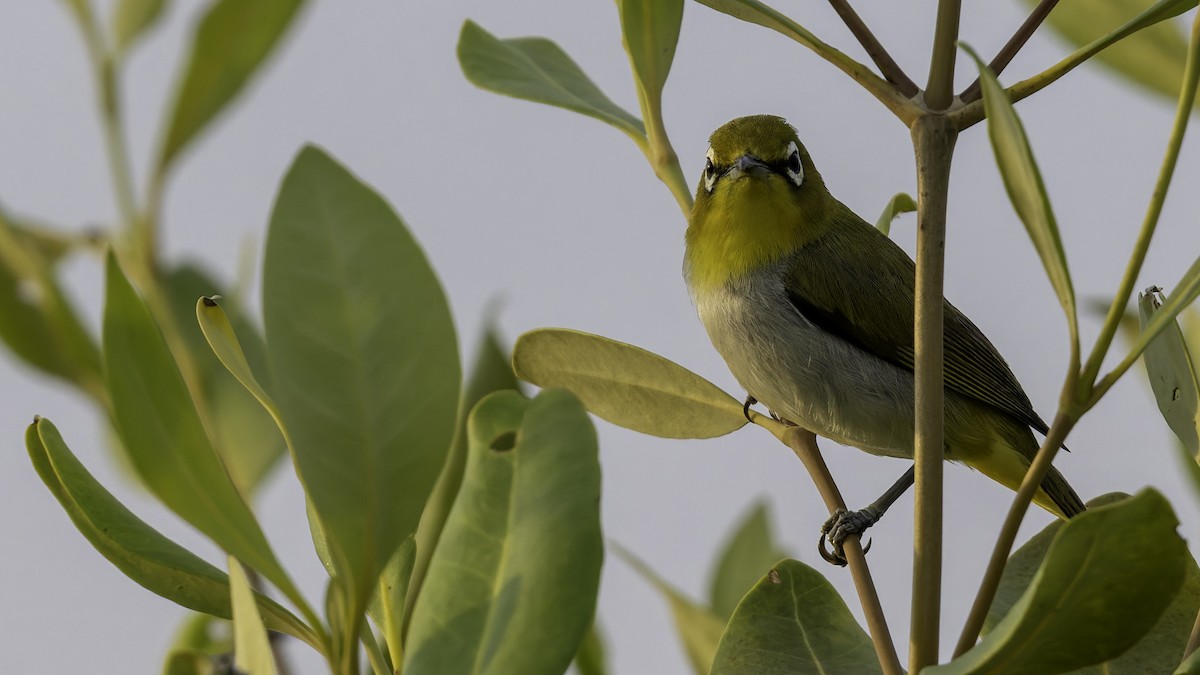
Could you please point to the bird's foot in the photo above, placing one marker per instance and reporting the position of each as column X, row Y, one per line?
column 841, row 525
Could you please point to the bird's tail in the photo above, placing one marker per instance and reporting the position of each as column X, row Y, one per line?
column 1060, row 495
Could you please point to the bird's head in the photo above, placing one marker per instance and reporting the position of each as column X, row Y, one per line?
column 760, row 198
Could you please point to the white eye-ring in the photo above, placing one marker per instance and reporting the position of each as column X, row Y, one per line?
column 710, row 171
column 794, row 168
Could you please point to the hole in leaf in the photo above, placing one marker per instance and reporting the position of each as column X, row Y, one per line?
column 504, row 442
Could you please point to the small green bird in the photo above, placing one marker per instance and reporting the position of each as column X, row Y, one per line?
column 812, row 309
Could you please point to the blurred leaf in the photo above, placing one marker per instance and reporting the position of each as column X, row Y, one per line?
column 626, row 385
column 244, row 434
column 536, row 69
column 793, row 621
column 156, row 563
column 747, row 556
column 203, row 633
column 387, row 602
column 512, row 585
column 251, row 648
column 185, row 662
column 131, row 19
column 165, row 438
column 698, row 627
column 364, row 363
column 900, row 203
column 1095, row 595
column 1152, row 57
column 492, row 371
column 232, row 40
column 1023, row 181
column 37, row 321
column 1157, row 652
column 650, row 29
column 1172, row 374
column 592, row 658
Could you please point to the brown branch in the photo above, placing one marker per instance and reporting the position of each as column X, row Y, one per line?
column 891, row 71
column 804, row 444
column 1014, row 45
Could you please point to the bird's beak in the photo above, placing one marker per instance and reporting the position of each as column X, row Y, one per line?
column 748, row 165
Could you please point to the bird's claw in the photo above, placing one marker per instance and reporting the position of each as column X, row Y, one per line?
column 750, row 400
column 841, row 525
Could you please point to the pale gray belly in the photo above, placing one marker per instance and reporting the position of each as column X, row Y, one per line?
column 806, row 375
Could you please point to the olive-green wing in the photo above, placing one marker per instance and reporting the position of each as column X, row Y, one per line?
column 869, row 303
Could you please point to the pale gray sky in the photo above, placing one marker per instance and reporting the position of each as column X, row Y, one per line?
column 561, row 217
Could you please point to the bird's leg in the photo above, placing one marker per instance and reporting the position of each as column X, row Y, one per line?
column 844, row 523
column 750, row 400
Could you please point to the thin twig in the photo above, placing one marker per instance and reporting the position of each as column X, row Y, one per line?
column 933, row 143
column 1008, row 531
column 1010, row 48
column 1183, row 114
column 939, row 92
column 804, row 444
column 888, row 67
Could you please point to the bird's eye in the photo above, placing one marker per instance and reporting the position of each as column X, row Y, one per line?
column 710, row 171
column 795, row 168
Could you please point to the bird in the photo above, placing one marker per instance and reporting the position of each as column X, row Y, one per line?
column 812, row 310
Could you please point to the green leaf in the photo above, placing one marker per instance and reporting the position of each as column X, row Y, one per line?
column 1152, row 57
column 252, row 650
column 626, row 385
column 492, row 371
column 387, row 602
column 747, row 556
column 512, row 584
column 1183, row 294
column 1171, row 370
column 1023, row 181
column 536, row 69
column 244, row 434
column 793, row 621
column 650, row 29
column 364, row 362
column 151, row 560
column 131, row 19
column 899, row 203
column 37, row 321
column 1095, row 595
column 232, row 40
column 699, row 628
column 165, row 438
column 1158, row 652
column 592, row 658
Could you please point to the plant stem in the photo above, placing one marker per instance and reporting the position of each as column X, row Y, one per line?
column 891, row 71
column 933, row 144
column 1116, row 310
column 1010, row 48
column 665, row 162
column 804, row 444
column 1038, row 469
column 939, row 92
column 1193, row 639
